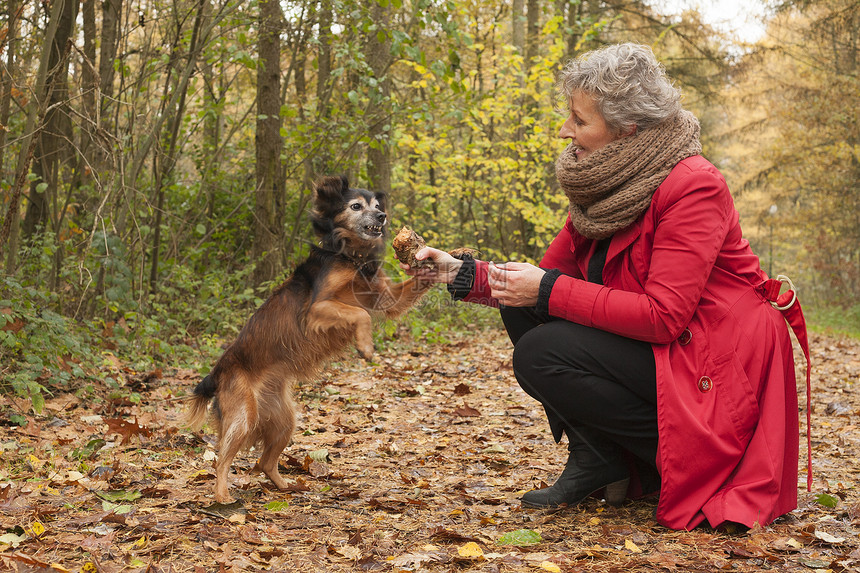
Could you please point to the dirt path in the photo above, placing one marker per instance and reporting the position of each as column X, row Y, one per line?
column 414, row 463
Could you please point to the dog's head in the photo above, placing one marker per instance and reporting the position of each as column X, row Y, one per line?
column 347, row 219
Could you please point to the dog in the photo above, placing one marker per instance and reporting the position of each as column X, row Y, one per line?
column 313, row 316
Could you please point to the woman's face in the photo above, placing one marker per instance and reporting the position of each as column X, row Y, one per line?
column 585, row 127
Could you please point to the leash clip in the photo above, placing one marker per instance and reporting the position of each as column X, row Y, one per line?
column 786, row 281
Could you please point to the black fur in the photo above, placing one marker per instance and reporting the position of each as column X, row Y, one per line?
column 206, row 387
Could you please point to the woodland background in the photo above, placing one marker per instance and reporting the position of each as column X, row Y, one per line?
column 156, row 163
column 157, row 156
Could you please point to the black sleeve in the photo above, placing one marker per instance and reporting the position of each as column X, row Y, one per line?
column 465, row 279
column 545, row 290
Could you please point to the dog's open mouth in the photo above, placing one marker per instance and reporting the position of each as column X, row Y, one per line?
column 373, row 230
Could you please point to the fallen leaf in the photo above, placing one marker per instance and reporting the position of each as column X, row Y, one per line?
column 786, row 544
column 251, row 535
column 837, row 409
column 24, row 558
column 447, row 534
column 116, row 508
column 157, row 493
column 813, row 563
column 201, row 475
column 349, row 552
column 277, row 505
column 418, row 558
column 36, row 529
column 520, row 538
column 126, row 429
column 317, row 469
column 550, row 566
column 827, row 538
column 12, row 539
column 494, row 449
column 632, row 547
column 119, row 495
column 827, row 500
column 298, row 486
column 320, row 456
column 224, row 509
column 467, row 411
column 462, row 389
column 471, row 551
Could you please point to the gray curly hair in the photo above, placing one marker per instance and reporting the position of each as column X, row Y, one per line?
column 629, row 85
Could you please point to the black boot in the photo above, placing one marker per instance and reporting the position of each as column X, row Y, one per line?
column 590, row 466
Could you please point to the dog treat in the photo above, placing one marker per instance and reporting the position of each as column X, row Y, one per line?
column 406, row 244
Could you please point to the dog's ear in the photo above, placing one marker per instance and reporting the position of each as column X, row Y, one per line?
column 330, row 189
column 328, row 198
column 383, row 199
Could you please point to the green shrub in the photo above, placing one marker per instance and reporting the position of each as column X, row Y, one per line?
column 39, row 349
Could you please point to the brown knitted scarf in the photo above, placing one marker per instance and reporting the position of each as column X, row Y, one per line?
column 610, row 188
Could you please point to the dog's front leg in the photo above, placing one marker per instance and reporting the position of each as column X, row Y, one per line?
column 329, row 314
column 403, row 294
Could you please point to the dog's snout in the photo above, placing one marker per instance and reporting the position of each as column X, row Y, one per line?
column 381, row 218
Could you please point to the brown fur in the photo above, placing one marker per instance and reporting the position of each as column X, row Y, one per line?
column 315, row 314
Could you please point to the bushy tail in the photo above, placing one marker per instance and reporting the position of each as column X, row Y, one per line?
column 204, row 392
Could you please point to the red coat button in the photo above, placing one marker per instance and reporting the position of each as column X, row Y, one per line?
column 685, row 337
column 705, row 384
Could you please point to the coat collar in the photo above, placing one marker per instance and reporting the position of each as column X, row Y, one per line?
column 620, row 240
column 624, row 238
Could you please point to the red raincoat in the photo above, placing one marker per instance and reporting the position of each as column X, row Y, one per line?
column 684, row 279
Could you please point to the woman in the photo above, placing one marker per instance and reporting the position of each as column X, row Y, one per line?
column 646, row 333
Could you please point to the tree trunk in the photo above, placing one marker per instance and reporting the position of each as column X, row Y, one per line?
column 378, row 53
column 84, row 160
column 532, row 34
column 12, row 219
column 6, row 77
column 49, row 145
column 100, row 151
column 213, row 126
column 111, row 10
column 574, row 13
column 320, row 162
column 88, row 76
column 518, row 26
column 269, row 208
column 324, row 59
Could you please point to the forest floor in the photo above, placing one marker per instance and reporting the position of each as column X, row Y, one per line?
column 413, row 463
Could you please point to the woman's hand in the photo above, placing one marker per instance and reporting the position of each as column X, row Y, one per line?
column 515, row 284
column 445, row 270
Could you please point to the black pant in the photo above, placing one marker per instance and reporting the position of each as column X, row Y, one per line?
column 595, row 386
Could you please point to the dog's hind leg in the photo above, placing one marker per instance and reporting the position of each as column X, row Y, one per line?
column 236, row 429
column 276, row 435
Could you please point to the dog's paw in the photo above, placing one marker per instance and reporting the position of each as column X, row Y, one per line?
column 225, row 499
column 366, row 351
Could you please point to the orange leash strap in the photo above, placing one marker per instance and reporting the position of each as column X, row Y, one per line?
column 788, row 304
